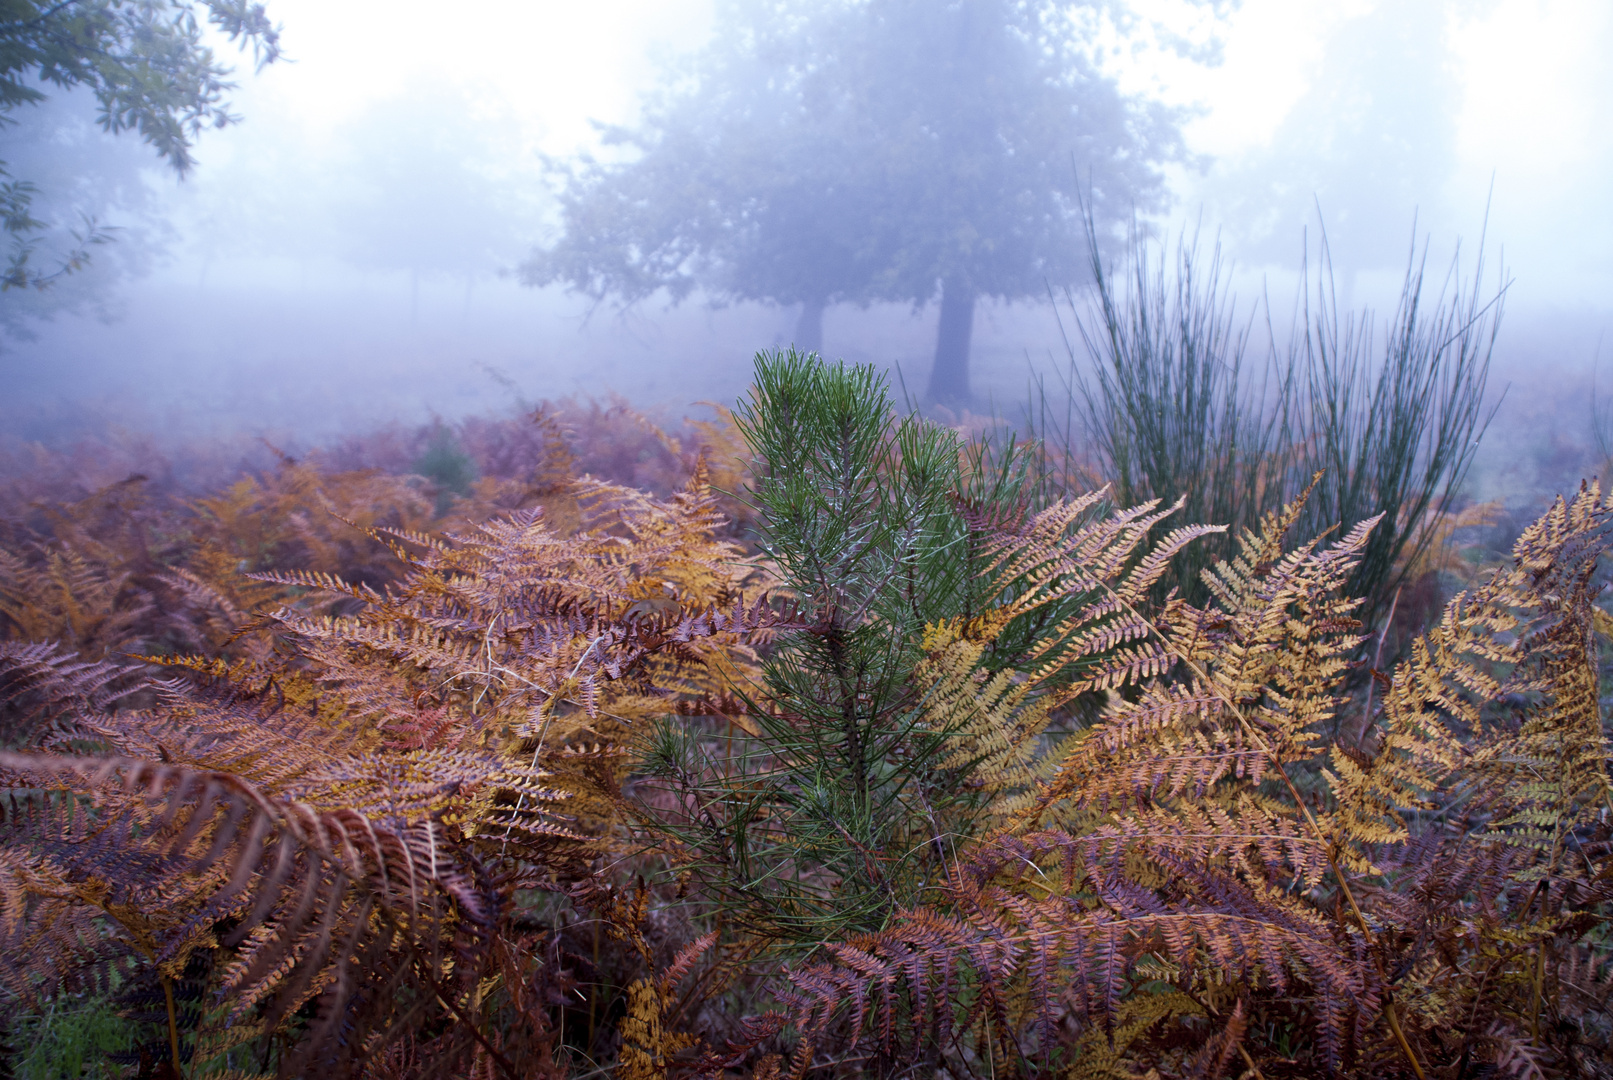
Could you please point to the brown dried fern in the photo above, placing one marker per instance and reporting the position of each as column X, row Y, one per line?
column 269, row 809
column 1205, row 828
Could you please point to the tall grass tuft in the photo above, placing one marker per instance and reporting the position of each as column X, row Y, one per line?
column 1180, row 399
column 1174, row 407
column 1392, row 421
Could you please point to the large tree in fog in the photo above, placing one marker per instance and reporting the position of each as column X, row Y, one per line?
column 863, row 150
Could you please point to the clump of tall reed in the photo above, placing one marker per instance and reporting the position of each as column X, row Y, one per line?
column 1184, row 397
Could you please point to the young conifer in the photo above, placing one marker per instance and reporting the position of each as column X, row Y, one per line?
column 836, row 801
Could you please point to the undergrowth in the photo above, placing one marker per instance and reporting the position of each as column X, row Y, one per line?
column 917, row 770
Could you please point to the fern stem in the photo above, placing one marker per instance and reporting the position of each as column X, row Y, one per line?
column 543, row 731
column 173, row 1024
column 1372, row 675
column 1277, row 763
column 1249, row 1061
column 1539, row 981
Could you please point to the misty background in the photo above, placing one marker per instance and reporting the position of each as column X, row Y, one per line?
column 345, row 256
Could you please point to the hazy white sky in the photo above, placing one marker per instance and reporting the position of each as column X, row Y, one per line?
column 1529, row 88
column 1534, row 73
column 552, row 65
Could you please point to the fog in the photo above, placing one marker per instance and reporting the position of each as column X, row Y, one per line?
column 344, row 256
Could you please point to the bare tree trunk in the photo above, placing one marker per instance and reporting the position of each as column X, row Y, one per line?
column 809, row 327
column 949, row 378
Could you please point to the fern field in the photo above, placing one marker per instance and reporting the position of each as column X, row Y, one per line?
column 867, row 749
